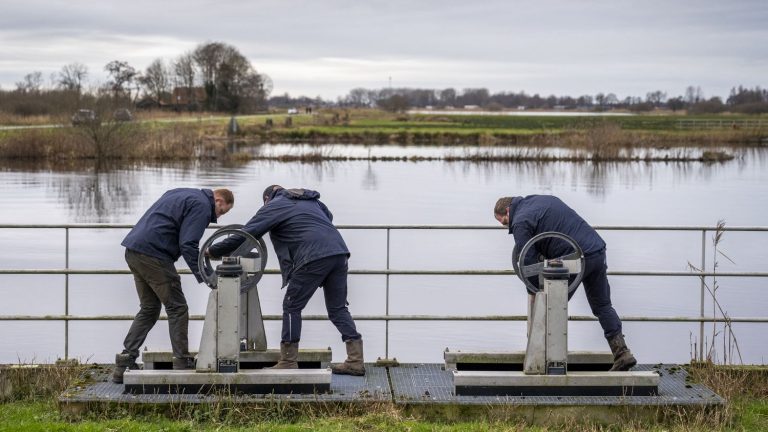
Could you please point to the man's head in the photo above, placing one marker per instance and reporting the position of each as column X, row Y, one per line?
column 269, row 192
column 501, row 210
column 223, row 200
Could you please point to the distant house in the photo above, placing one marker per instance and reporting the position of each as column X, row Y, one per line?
column 188, row 97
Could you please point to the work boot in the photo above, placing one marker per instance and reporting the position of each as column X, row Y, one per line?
column 623, row 360
column 183, row 363
column 353, row 365
column 289, row 356
column 123, row 362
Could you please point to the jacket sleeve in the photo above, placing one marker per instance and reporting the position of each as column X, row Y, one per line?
column 193, row 225
column 264, row 220
column 523, row 231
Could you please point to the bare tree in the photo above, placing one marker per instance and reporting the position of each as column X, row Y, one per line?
column 156, row 80
column 185, row 72
column 656, row 98
column 31, row 84
column 693, row 95
column 72, row 76
column 122, row 76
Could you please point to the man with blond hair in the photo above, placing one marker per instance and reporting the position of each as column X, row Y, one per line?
column 171, row 228
column 535, row 214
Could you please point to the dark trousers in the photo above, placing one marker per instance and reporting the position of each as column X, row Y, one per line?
column 157, row 284
column 599, row 293
column 330, row 273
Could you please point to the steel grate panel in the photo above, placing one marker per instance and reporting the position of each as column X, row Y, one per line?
column 374, row 386
column 430, row 383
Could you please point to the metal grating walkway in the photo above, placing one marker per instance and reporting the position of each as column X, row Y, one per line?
column 411, row 384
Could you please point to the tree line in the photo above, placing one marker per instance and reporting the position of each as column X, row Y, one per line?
column 741, row 99
column 214, row 76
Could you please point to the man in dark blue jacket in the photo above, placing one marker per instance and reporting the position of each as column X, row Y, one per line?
column 171, row 228
column 535, row 214
column 311, row 254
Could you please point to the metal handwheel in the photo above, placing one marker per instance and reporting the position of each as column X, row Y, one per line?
column 574, row 261
column 250, row 247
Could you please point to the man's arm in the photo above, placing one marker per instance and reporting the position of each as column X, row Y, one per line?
column 193, row 225
column 523, row 232
column 264, row 220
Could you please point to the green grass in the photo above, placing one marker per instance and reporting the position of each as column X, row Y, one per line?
column 749, row 415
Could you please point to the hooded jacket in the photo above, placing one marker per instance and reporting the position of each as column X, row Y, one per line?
column 535, row 214
column 300, row 227
column 173, row 226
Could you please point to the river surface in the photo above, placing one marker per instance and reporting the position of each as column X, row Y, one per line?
column 430, row 192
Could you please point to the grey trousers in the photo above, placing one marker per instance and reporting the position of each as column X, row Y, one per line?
column 157, row 284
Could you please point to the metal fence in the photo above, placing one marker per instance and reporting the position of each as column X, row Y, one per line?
column 66, row 317
column 722, row 124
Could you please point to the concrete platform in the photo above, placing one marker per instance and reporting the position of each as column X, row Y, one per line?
column 308, row 359
column 258, row 381
column 425, row 390
column 512, row 383
column 514, row 360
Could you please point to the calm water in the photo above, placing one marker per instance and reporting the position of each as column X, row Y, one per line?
column 397, row 193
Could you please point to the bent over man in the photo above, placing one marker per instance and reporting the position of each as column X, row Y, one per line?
column 172, row 227
column 535, row 214
column 312, row 254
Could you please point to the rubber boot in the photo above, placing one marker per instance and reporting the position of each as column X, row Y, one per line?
column 353, row 365
column 183, row 363
column 123, row 362
column 289, row 356
column 623, row 360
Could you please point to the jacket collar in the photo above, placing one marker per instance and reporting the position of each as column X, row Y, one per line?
column 513, row 209
column 209, row 194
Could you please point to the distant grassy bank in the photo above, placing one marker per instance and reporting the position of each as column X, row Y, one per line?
column 589, row 138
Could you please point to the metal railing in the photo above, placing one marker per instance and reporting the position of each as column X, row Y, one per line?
column 387, row 272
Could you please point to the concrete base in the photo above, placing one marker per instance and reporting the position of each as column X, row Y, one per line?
column 308, row 359
column 514, row 360
column 262, row 381
column 500, row 383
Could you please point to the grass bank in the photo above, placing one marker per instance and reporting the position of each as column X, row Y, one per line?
column 629, row 138
column 32, row 407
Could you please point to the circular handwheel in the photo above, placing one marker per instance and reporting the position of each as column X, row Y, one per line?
column 573, row 261
column 244, row 245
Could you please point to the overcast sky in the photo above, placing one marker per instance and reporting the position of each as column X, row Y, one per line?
column 327, row 47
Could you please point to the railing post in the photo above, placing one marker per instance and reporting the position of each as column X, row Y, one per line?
column 703, row 286
column 66, row 293
column 386, row 311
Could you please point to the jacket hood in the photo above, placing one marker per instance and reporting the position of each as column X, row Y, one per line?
column 299, row 194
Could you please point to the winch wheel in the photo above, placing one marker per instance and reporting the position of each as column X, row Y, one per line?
column 573, row 261
column 250, row 247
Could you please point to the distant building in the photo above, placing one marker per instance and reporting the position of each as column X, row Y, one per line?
column 470, row 107
column 188, row 97
column 521, row 107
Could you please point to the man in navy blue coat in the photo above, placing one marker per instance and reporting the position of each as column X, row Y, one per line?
column 312, row 254
column 171, row 228
column 535, row 214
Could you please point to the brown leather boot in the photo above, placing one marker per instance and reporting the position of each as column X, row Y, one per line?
column 289, row 356
column 123, row 362
column 623, row 360
column 353, row 365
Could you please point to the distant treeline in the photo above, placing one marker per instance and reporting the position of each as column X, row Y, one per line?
column 741, row 100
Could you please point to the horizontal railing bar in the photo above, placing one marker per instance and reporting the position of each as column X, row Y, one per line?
column 421, row 227
column 392, row 318
column 399, row 272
